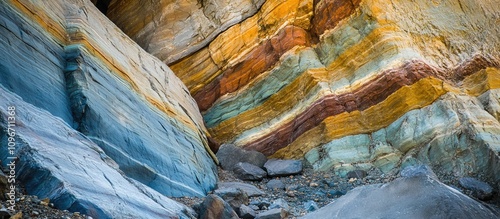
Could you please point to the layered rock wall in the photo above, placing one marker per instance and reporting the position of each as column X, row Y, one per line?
column 356, row 84
column 144, row 137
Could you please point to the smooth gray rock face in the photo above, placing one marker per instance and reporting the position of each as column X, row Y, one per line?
column 419, row 196
column 215, row 207
column 480, row 189
column 146, row 144
column 57, row 162
column 109, row 91
column 247, row 171
column 250, row 190
column 32, row 65
column 276, row 167
column 229, row 155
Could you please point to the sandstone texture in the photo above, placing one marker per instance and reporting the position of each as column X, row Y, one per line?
column 356, row 84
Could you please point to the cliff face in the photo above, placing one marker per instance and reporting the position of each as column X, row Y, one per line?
column 350, row 84
column 66, row 68
column 110, row 130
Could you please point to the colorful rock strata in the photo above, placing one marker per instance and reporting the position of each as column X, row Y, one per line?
column 355, row 83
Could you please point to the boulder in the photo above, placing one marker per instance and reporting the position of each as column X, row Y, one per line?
column 357, row 174
column 275, row 167
column 234, row 196
column 311, row 206
column 480, row 189
column 277, row 213
column 213, row 207
column 275, row 184
column 250, row 190
column 246, row 212
column 418, row 196
column 247, row 171
column 279, row 203
column 229, row 155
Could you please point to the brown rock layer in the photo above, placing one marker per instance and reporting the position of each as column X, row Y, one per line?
column 328, row 13
column 373, row 92
column 256, row 62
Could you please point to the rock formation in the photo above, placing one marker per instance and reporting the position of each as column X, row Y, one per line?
column 127, row 100
column 67, row 68
column 354, row 84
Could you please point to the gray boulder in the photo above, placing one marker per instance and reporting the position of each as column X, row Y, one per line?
column 277, row 213
column 250, row 190
column 246, row 212
column 420, row 196
column 229, row 155
column 213, row 207
column 275, row 184
column 358, row 174
column 234, row 196
column 480, row 189
column 247, row 171
column 276, row 167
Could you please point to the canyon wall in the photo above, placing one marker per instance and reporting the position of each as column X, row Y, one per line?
column 351, row 84
column 99, row 119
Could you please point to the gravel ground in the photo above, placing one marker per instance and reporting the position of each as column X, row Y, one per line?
column 320, row 187
column 28, row 206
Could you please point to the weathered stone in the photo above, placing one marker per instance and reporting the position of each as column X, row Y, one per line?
column 275, row 184
column 230, row 155
column 311, row 206
column 276, row 213
column 190, row 25
column 85, row 180
column 214, row 206
column 70, row 60
column 426, row 198
column 480, row 189
column 250, row 190
column 235, row 197
column 247, row 171
column 357, row 174
column 280, row 203
column 276, row 167
column 245, row 212
column 419, row 170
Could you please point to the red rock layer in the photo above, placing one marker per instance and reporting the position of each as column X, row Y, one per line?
column 256, row 62
column 328, row 13
column 375, row 91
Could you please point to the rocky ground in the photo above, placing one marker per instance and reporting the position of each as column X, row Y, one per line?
column 29, row 206
column 320, row 188
column 302, row 193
